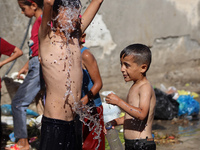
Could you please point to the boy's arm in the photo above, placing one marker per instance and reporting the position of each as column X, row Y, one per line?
column 16, row 53
column 46, row 18
column 117, row 121
column 140, row 112
column 89, row 13
column 90, row 63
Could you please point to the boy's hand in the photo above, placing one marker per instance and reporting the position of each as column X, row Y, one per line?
column 112, row 99
column 105, row 130
column 22, row 71
column 84, row 101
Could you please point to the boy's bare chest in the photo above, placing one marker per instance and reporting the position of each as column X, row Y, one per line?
column 133, row 97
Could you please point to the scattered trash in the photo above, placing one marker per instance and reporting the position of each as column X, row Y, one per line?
column 166, row 107
column 12, row 137
column 187, row 105
column 171, row 90
column 9, row 120
column 183, row 92
column 161, row 138
column 33, row 139
column 38, row 122
column 182, row 122
column 6, row 110
column 187, row 84
column 13, row 147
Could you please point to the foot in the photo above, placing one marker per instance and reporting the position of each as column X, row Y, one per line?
column 22, row 144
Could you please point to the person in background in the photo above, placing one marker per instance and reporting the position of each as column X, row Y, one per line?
column 141, row 100
column 92, row 84
column 13, row 52
column 32, row 82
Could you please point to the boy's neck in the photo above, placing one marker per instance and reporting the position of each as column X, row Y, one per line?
column 141, row 79
column 38, row 13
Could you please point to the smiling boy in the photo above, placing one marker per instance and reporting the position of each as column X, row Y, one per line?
column 139, row 108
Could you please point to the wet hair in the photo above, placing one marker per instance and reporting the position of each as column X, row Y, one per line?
column 73, row 3
column 72, row 12
column 141, row 54
column 29, row 2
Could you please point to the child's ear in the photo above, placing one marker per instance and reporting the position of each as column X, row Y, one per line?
column 143, row 68
column 83, row 35
column 34, row 6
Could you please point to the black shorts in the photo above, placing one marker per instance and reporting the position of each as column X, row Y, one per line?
column 57, row 135
column 140, row 144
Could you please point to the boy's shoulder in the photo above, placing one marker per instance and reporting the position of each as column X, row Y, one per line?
column 86, row 54
column 142, row 84
column 142, row 87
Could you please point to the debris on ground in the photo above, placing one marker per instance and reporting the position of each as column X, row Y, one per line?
column 161, row 138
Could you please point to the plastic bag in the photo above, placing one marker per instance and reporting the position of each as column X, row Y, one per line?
column 7, row 110
column 187, row 105
column 166, row 107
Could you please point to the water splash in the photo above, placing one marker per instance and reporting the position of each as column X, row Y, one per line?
column 67, row 25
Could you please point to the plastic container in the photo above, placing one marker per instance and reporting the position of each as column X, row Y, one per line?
column 113, row 138
column 110, row 112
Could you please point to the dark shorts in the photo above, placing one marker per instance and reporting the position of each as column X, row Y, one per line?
column 140, row 144
column 57, row 135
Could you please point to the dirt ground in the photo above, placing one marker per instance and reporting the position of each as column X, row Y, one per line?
column 187, row 133
column 173, row 134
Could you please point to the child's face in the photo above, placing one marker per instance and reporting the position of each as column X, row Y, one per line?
column 67, row 19
column 131, row 71
column 28, row 11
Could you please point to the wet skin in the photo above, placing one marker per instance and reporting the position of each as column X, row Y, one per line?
column 140, row 103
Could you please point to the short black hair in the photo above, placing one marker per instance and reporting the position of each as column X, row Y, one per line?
column 29, row 2
column 140, row 52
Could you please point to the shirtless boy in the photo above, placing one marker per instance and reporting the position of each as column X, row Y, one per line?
column 139, row 108
column 61, row 64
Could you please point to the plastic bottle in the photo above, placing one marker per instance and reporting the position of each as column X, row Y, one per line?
column 113, row 138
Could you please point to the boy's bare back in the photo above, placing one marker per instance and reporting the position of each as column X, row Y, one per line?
column 135, row 128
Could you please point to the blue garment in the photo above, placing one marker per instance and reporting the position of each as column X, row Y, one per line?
column 88, row 84
column 24, row 97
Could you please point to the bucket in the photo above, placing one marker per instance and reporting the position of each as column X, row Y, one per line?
column 12, row 83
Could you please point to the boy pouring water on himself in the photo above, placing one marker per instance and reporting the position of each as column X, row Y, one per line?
column 139, row 108
column 59, row 35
